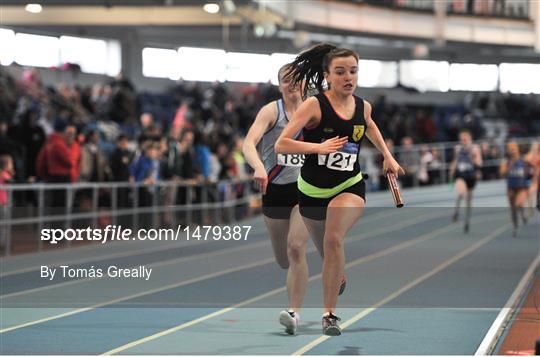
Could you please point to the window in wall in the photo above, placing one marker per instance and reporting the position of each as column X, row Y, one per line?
column 202, row 64
column 424, row 75
column 94, row 56
column 7, row 47
column 247, row 67
column 520, row 77
column 377, row 74
column 114, row 58
column 36, row 50
column 160, row 63
column 485, row 77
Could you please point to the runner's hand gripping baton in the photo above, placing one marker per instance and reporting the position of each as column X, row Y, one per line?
column 394, row 188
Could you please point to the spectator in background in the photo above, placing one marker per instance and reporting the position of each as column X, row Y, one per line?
column 10, row 147
column 31, row 138
column 54, row 164
column 31, row 83
column 146, row 121
column 239, row 159
column 190, row 171
column 409, row 161
column 75, row 150
column 170, row 171
column 425, row 159
column 226, row 162
column 99, row 100
column 6, row 173
column 8, row 94
column 120, row 161
column 426, row 129
column 202, row 155
column 215, row 166
column 54, row 159
column 147, row 170
column 94, row 166
column 487, row 158
column 434, row 167
column 124, row 104
column 154, row 133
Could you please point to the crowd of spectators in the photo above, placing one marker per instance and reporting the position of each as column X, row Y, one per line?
column 499, row 8
column 428, row 164
column 193, row 133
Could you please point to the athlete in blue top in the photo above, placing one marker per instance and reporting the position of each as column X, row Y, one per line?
column 465, row 169
column 518, row 173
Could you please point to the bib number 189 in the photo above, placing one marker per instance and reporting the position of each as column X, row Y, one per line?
column 295, row 160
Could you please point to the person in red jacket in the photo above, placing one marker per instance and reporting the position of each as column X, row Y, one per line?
column 54, row 162
column 75, row 151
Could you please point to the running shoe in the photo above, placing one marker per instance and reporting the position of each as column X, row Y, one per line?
column 290, row 320
column 330, row 326
column 343, row 284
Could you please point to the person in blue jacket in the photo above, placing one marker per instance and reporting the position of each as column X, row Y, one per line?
column 146, row 170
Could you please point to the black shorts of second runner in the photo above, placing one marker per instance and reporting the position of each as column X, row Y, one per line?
column 279, row 200
column 469, row 181
column 315, row 208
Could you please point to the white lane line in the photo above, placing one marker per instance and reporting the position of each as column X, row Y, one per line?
column 134, row 296
column 207, row 276
column 136, row 252
column 176, row 260
column 155, row 265
column 407, row 287
column 356, row 262
column 495, row 331
column 99, row 258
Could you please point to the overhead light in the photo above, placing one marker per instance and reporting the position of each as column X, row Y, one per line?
column 33, row 8
column 211, row 8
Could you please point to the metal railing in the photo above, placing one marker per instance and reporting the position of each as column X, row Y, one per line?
column 171, row 203
column 166, row 203
column 439, row 169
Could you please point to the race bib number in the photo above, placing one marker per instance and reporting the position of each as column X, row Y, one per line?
column 464, row 166
column 294, row 160
column 340, row 161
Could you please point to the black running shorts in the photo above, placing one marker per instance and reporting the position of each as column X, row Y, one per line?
column 315, row 208
column 279, row 200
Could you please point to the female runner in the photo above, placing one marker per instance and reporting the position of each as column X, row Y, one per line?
column 276, row 175
column 465, row 169
column 331, row 188
column 518, row 174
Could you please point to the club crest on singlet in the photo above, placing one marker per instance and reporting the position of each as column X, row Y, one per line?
column 358, row 132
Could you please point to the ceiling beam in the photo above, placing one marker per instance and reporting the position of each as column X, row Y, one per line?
column 115, row 16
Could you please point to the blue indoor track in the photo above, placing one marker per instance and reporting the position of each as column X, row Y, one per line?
column 416, row 285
